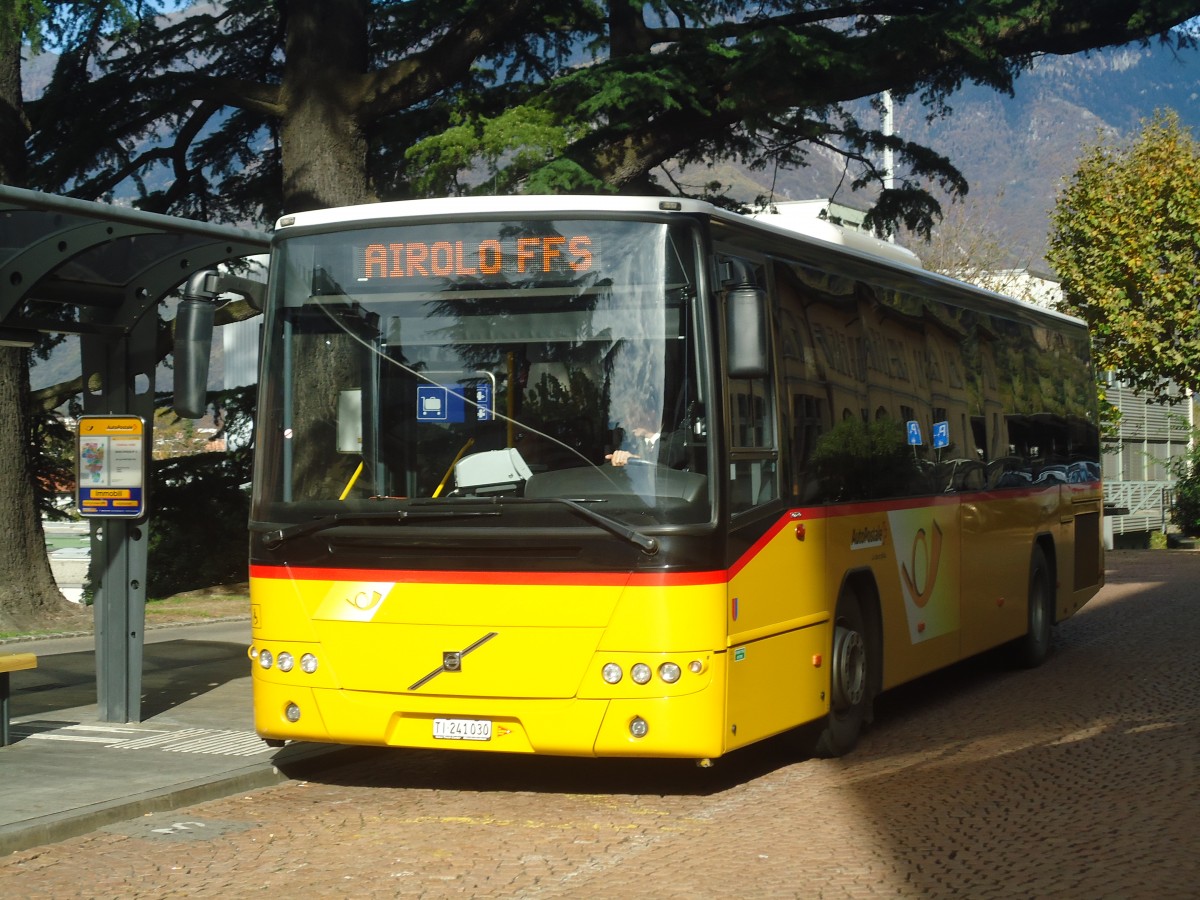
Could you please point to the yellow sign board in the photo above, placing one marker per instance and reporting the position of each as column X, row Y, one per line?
column 111, row 466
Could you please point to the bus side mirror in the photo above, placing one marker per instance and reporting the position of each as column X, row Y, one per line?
column 193, row 344
column 746, row 326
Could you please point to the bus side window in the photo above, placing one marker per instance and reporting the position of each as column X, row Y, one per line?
column 753, row 439
column 753, row 473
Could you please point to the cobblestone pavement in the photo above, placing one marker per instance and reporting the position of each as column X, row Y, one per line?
column 1078, row 779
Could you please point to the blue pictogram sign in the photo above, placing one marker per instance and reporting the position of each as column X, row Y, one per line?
column 449, row 403
column 483, row 400
column 914, row 434
column 941, row 435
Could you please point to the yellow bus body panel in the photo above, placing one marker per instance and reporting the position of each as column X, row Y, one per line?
column 531, row 662
column 398, row 649
column 780, row 633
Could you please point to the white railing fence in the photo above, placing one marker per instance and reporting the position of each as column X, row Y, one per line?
column 1145, row 505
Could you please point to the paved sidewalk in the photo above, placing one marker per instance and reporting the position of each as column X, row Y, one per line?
column 67, row 773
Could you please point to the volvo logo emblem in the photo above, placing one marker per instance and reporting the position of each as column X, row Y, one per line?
column 452, row 660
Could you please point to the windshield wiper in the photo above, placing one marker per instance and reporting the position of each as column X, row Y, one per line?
column 645, row 543
column 273, row 537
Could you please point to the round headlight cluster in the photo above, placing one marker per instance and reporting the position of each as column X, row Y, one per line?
column 284, row 662
column 641, row 673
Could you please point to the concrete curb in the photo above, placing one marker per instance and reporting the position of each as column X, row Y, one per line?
column 27, row 638
column 76, row 822
column 302, row 758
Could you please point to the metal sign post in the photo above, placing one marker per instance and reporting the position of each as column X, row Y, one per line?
column 111, row 484
column 113, row 492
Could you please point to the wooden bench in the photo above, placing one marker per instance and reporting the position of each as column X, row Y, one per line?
column 11, row 662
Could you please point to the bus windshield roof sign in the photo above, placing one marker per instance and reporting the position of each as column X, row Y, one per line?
column 550, row 256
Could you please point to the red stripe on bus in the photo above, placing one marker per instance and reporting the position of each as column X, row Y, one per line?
column 647, row 579
column 565, row 579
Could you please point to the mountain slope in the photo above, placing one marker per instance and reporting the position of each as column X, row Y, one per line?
column 1014, row 151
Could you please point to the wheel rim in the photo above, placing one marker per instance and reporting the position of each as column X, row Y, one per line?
column 849, row 668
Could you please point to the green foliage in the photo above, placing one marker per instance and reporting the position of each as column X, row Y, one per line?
column 1126, row 244
column 191, row 110
column 198, row 533
column 519, row 141
column 23, row 19
column 201, row 507
column 857, row 460
column 1110, row 414
column 53, row 460
column 1185, row 507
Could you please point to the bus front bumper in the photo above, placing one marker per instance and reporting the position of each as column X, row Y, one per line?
column 689, row 726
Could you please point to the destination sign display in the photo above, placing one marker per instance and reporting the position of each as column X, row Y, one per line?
column 485, row 259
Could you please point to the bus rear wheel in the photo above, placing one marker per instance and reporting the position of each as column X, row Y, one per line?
column 850, row 679
column 1032, row 649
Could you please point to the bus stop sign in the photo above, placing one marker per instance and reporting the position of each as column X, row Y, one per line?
column 110, row 472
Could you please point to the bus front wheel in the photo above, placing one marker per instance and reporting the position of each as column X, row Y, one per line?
column 850, row 679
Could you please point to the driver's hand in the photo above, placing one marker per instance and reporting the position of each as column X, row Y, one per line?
column 620, row 457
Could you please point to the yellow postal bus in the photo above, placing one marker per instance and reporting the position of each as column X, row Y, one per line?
column 608, row 476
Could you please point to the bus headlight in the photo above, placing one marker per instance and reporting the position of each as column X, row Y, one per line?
column 638, row 727
column 308, row 663
column 669, row 672
column 292, row 712
column 265, row 658
column 640, row 673
column 285, row 661
column 611, row 673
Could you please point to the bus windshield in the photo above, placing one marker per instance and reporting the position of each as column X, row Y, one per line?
column 444, row 364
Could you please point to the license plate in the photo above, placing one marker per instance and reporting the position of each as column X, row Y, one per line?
column 462, row 729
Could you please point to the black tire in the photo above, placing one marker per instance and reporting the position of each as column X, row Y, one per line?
column 1032, row 649
column 851, row 679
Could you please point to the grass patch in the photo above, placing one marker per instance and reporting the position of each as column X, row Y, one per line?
column 219, row 603
column 5, row 635
column 67, row 542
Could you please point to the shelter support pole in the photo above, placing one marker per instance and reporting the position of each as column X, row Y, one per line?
column 119, row 379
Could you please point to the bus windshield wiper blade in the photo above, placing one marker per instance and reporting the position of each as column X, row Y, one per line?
column 646, row 543
column 274, row 537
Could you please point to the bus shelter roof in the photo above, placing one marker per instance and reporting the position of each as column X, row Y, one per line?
column 95, row 270
column 71, row 266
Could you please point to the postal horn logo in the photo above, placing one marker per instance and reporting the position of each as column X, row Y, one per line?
column 926, row 557
column 365, row 600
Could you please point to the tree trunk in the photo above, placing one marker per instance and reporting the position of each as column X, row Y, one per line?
column 28, row 594
column 324, row 148
column 14, row 128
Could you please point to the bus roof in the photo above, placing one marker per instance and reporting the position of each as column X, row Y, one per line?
column 522, row 204
column 814, row 231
